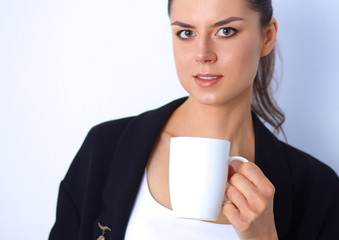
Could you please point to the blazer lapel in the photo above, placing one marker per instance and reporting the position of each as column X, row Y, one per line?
column 127, row 169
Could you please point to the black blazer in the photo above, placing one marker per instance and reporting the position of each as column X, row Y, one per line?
column 104, row 178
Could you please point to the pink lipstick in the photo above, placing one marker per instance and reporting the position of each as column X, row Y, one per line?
column 207, row 80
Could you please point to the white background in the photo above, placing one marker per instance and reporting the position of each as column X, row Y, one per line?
column 67, row 65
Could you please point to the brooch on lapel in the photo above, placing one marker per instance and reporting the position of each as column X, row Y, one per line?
column 103, row 228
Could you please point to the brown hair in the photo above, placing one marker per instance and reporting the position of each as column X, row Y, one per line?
column 263, row 103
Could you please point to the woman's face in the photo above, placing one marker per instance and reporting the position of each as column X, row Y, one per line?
column 217, row 47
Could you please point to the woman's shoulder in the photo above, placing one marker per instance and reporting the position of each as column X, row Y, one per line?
column 97, row 149
column 313, row 184
column 103, row 139
column 111, row 129
column 304, row 166
column 315, row 195
column 107, row 130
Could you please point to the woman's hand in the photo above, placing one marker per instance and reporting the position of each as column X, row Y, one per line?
column 251, row 208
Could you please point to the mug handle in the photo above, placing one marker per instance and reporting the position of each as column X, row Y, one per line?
column 244, row 160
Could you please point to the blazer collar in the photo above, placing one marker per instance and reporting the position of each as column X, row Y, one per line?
column 132, row 153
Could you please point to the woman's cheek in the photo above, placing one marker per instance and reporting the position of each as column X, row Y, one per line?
column 248, row 58
column 183, row 62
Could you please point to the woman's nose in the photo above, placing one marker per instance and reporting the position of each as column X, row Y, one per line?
column 205, row 53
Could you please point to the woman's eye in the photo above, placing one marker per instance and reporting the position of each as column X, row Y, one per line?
column 185, row 34
column 226, row 32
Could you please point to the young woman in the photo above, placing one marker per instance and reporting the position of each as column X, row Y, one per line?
column 117, row 186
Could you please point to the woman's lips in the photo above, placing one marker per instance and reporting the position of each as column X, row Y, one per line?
column 207, row 80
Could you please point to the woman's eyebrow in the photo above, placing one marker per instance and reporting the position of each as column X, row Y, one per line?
column 217, row 24
column 227, row 21
column 183, row 25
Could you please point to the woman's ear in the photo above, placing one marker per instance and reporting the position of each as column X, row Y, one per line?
column 270, row 37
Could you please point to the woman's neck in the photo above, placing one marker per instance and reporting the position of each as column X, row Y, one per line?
column 232, row 123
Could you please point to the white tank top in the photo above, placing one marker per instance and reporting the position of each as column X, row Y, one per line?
column 151, row 221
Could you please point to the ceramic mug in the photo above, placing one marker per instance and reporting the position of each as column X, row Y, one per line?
column 198, row 170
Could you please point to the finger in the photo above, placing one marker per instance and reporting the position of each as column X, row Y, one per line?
column 231, row 212
column 245, row 187
column 231, row 172
column 254, row 174
column 237, row 198
column 255, row 199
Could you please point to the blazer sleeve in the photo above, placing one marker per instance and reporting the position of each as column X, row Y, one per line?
column 80, row 192
column 316, row 200
column 67, row 217
column 71, row 195
column 330, row 228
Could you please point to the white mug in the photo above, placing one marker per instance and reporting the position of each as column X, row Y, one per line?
column 198, row 170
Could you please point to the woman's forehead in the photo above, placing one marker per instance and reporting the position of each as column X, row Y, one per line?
column 210, row 10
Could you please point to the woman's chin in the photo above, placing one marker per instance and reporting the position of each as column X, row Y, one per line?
column 208, row 99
